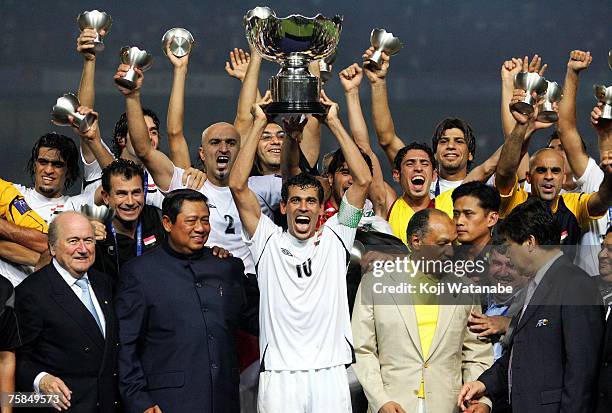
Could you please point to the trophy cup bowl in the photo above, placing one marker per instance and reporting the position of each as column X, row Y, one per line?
column 66, row 107
column 604, row 95
column 529, row 82
column 180, row 40
column 100, row 213
column 325, row 67
column 134, row 57
column 554, row 94
column 97, row 20
column 293, row 42
column 383, row 41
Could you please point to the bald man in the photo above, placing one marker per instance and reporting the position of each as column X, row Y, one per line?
column 573, row 211
column 219, row 148
column 412, row 349
column 67, row 324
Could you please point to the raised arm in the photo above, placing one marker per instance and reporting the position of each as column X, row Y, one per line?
column 179, row 150
column 249, row 93
column 380, row 193
column 360, row 172
column 87, row 91
column 512, row 150
column 509, row 70
column 570, row 138
column 601, row 200
column 245, row 199
column 381, row 114
column 92, row 141
column 158, row 164
column 290, row 151
column 28, row 237
column 603, row 127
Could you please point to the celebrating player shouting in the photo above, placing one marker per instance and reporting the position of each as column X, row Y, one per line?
column 305, row 332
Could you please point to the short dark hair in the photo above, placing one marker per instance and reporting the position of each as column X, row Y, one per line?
column 338, row 159
column 452, row 123
column 121, row 129
column 123, row 167
column 488, row 198
column 173, row 202
column 303, row 181
column 397, row 161
column 68, row 151
column 532, row 217
column 555, row 135
column 419, row 223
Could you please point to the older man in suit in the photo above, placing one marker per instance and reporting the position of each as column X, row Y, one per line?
column 67, row 325
column 415, row 349
column 552, row 360
column 179, row 307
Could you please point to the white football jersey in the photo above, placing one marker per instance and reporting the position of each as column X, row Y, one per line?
column 303, row 312
column 225, row 224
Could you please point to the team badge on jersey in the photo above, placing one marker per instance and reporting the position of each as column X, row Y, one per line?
column 21, row 205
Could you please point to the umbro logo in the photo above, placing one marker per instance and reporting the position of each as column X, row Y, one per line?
column 211, row 205
column 286, row 252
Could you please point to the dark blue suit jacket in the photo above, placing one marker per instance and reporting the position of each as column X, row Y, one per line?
column 555, row 345
column 177, row 318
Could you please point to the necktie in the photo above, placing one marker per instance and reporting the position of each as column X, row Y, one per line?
column 83, row 284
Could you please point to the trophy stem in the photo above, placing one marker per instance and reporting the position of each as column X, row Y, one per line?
column 376, row 58
column 129, row 80
column 98, row 43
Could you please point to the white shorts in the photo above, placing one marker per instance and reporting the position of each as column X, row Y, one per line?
column 304, row 391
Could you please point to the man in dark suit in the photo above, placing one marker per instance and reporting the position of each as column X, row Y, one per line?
column 179, row 307
column 67, row 325
column 555, row 340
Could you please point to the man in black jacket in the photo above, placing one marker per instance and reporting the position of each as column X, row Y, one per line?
column 67, row 324
column 555, row 340
column 179, row 307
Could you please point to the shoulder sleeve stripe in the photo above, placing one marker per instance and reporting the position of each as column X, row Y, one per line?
column 346, row 250
column 262, row 253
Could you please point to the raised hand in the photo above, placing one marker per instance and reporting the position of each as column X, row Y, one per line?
column 601, row 125
column 177, row 62
column 294, row 126
column 333, row 109
column 510, row 69
column 238, row 63
column 606, row 162
column 534, row 66
column 90, row 134
column 257, row 108
column 350, row 78
column 193, row 178
column 121, row 72
column 375, row 74
column 85, row 44
column 579, row 60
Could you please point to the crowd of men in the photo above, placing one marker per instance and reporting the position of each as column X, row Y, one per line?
column 246, row 280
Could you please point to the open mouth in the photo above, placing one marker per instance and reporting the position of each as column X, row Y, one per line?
column 302, row 223
column 47, row 179
column 451, row 156
column 276, row 151
column 222, row 161
column 548, row 188
column 418, row 181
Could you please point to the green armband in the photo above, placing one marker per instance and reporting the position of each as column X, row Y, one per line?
column 348, row 215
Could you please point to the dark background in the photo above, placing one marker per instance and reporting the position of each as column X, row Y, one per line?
column 449, row 66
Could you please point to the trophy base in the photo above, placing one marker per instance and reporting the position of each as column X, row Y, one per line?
column 125, row 82
column 606, row 112
column 522, row 107
column 280, row 108
column 98, row 46
column 548, row 117
column 85, row 124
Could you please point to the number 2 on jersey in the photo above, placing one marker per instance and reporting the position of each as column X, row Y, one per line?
column 230, row 224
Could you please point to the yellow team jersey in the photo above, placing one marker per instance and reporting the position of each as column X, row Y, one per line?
column 15, row 209
column 401, row 212
column 575, row 202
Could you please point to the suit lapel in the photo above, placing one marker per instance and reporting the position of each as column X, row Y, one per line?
column 74, row 308
column 408, row 314
column 541, row 291
column 445, row 316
